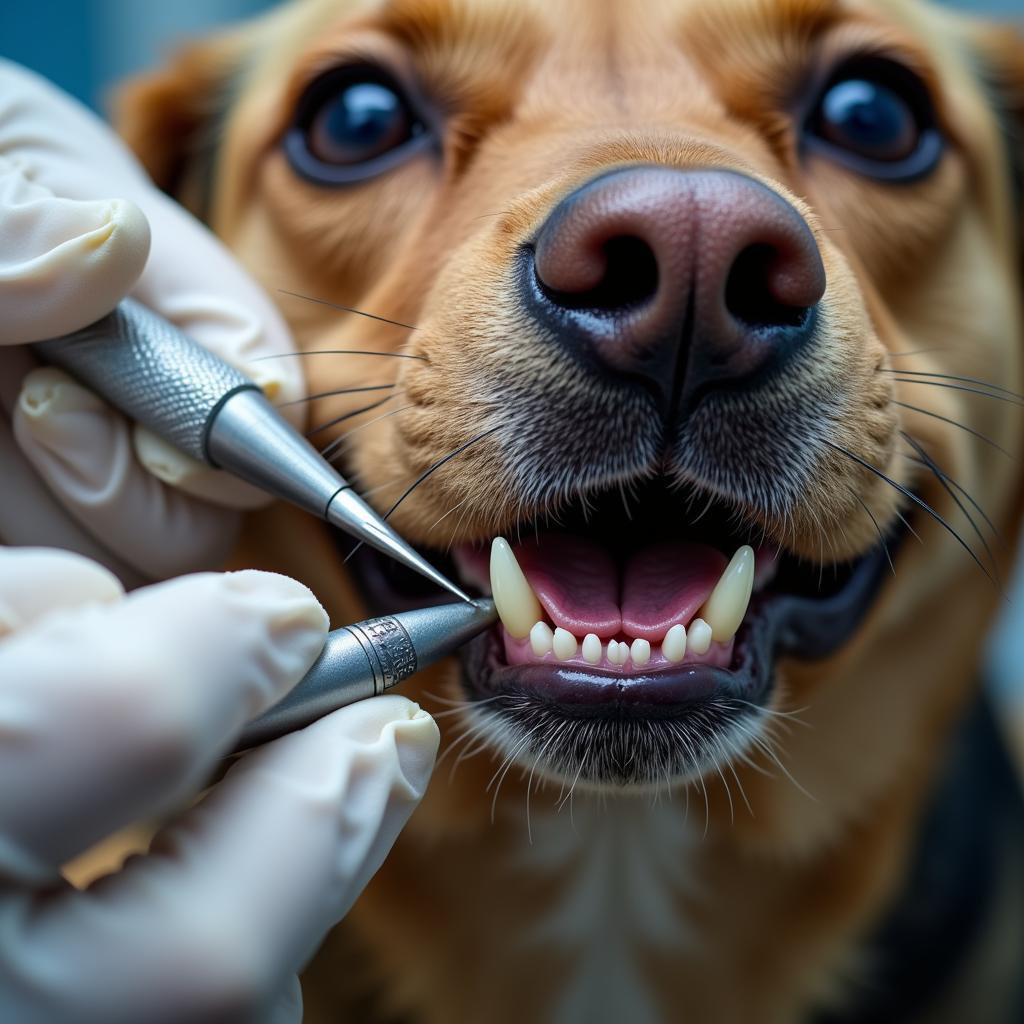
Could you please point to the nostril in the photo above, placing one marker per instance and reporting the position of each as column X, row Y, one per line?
column 749, row 293
column 629, row 278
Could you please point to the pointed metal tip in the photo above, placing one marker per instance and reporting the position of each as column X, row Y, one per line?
column 350, row 513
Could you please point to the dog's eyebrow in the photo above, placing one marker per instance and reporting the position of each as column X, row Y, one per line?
column 426, row 24
column 801, row 19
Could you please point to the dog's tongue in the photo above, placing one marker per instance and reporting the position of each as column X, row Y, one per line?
column 585, row 591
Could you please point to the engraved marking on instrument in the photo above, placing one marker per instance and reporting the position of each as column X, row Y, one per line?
column 392, row 650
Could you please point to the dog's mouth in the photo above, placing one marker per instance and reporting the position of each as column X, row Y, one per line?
column 638, row 639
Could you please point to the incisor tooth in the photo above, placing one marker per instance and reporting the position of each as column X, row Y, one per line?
column 724, row 609
column 564, row 644
column 613, row 652
column 591, row 648
column 640, row 651
column 698, row 639
column 674, row 644
column 518, row 607
column 541, row 639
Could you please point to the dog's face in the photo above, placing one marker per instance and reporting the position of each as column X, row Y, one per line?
column 710, row 307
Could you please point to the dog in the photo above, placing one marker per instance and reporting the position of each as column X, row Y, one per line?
column 697, row 331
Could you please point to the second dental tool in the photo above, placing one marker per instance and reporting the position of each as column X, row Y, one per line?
column 161, row 378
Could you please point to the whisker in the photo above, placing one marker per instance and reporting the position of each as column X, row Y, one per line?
column 906, row 523
column 728, row 792
column 958, row 387
column 739, row 784
column 471, row 743
column 707, row 805
column 953, row 376
column 349, row 416
column 339, row 352
column 470, row 747
column 917, row 352
column 881, row 536
column 556, row 734
column 346, row 309
column 955, row 423
column 329, row 450
column 926, row 460
column 340, row 391
column 959, row 487
column 448, row 712
column 764, row 746
column 567, row 797
column 916, row 500
column 437, row 465
column 387, row 485
column 425, row 474
column 454, row 508
column 504, row 770
column 460, row 703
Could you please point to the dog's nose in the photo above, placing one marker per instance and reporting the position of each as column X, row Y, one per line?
column 686, row 278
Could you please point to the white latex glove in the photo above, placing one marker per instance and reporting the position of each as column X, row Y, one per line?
column 77, row 219
column 115, row 708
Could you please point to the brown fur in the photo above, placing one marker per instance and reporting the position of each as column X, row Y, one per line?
column 540, row 97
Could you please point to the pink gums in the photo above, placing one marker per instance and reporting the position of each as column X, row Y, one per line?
column 519, row 652
column 584, row 591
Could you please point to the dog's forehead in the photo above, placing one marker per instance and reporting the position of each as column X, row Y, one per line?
column 601, row 53
column 589, row 27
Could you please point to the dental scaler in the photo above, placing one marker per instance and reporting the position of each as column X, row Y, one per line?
column 368, row 658
column 159, row 377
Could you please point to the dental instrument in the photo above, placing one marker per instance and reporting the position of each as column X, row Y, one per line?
column 155, row 374
column 366, row 659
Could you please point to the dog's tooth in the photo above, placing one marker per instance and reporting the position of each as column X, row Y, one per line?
column 640, row 651
column 541, row 639
column 564, row 644
column 674, row 644
column 698, row 637
column 518, row 607
column 591, row 648
column 613, row 652
column 724, row 609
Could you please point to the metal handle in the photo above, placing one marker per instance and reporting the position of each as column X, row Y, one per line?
column 152, row 371
column 359, row 661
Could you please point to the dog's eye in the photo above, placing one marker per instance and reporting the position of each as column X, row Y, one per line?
column 875, row 116
column 352, row 124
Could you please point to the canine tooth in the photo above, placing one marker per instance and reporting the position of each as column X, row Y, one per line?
column 591, row 648
column 674, row 644
column 640, row 651
column 518, row 607
column 699, row 637
column 724, row 609
column 564, row 644
column 541, row 639
column 613, row 652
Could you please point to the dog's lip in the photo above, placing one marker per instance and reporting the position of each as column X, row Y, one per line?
column 576, row 692
column 807, row 626
column 776, row 625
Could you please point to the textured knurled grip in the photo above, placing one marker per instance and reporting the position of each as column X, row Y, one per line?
column 151, row 371
column 389, row 649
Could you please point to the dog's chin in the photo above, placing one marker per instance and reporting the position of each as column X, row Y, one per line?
column 598, row 726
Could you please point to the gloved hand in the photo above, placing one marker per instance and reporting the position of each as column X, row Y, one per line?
column 113, row 708
column 69, row 251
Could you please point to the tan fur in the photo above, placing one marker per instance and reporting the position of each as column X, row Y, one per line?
column 542, row 96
